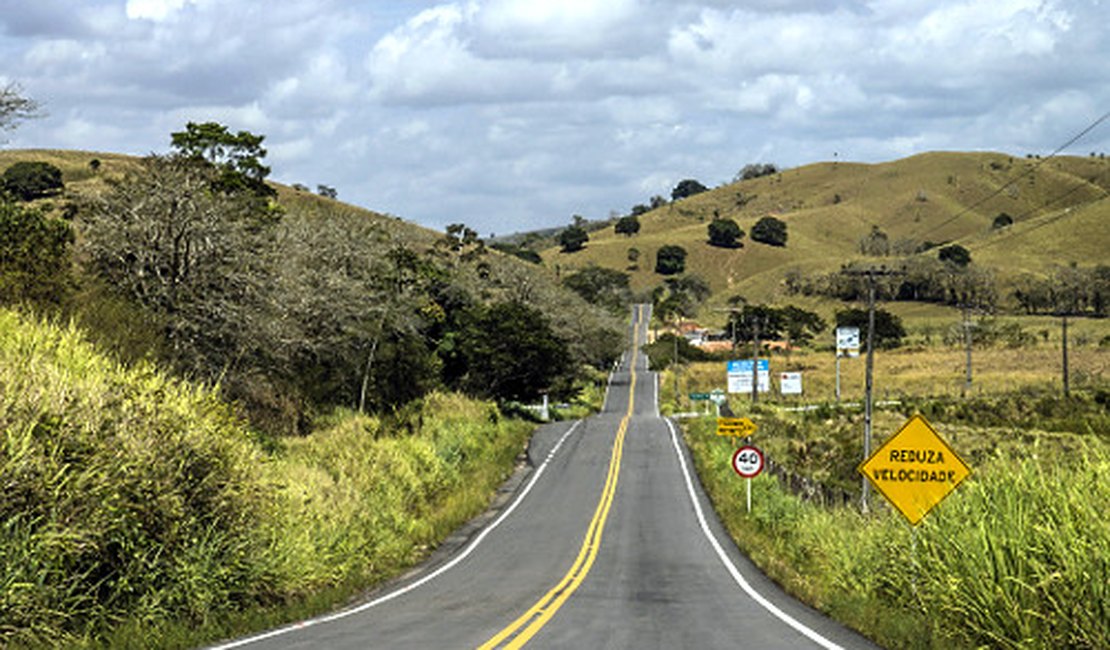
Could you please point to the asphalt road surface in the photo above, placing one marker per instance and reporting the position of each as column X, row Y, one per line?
column 607, row 542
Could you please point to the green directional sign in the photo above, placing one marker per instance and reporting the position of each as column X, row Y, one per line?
column 699, row 397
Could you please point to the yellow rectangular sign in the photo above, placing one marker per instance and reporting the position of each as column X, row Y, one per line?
column 915, row 469
column 738, row 427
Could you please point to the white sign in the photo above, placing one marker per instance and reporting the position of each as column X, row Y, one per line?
column 740, row 376
column 748, row 461
column 847, row 341
column 790, row 383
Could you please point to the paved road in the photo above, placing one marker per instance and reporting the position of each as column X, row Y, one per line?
column 607, row 543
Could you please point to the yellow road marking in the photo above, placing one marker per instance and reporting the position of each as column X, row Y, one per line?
column 539, row 614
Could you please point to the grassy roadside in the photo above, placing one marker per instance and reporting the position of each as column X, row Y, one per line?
column 1018, row 557
column 138, row 512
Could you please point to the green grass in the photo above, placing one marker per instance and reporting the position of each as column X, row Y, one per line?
column 1017, row 557
column 824, row 232
column 138, row 511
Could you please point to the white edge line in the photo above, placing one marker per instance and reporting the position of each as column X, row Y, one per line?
column 407, row 588
column 736, row 576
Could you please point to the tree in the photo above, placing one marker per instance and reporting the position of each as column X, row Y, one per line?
column 192, row 256
column 755, row 170
column 725, row 233
column 15, row 107
column 627, row 226
column 327, row 191
column 686, row 188
column 573, row 238
column 601, row 286
column 34, row 255
column 955, row 254
column 876, row 243
column 32, row 180
column 681, row 296
column 770, row 230
column 1002, row 220
column 889, row 331
column 511, row 353
column 633, row 258
column 670, row 260
column 237, row 155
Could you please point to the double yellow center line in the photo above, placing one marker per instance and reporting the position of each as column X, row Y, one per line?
column 530, row 622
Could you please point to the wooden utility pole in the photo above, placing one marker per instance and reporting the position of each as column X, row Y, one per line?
column 967, row 343
column 756, row 342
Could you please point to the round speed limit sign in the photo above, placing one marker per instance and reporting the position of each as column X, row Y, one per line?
column 748, row 461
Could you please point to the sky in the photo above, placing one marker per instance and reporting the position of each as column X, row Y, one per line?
column 513, row 115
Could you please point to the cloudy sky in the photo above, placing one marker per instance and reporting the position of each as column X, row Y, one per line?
column 510, row 115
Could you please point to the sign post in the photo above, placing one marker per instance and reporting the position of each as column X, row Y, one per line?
column 915, row 469
column 847, row 345
column 748, row 463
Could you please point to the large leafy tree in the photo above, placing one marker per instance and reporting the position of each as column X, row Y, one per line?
column 237, row 155
column 686, row 188
column 511, row 352
column 770, row 230
column 725, row 233
column 573, row 238
column 627, row 226
column 670, row 260
column 29, row 180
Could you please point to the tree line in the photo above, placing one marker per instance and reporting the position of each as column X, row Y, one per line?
column 289, row 311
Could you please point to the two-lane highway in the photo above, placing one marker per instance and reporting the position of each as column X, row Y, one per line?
column 608, row 543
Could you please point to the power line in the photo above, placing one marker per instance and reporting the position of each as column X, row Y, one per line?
column 1090, row 127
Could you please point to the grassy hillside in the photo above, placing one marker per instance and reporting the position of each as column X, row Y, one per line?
column 1059, row 207
column 82, row 180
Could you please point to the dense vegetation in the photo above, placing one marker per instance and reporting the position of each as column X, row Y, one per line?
column 153, row 493
column 1015, row 558
column 139, row 510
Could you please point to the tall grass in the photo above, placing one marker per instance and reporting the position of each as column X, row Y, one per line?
column 1017, row 557
column 137, row 511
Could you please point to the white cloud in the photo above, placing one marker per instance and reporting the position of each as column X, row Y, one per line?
column 508, row 114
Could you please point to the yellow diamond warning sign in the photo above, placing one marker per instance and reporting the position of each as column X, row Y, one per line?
column 915, row 469
column 738, row 427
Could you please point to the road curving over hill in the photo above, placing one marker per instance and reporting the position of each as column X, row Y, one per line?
column 608, row 542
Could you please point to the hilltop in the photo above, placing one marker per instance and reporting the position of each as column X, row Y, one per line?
column 1058, row 207
column 84, row 178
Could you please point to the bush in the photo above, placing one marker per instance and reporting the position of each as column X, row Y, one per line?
column 32, row 180
column 724, row 233
column 670, row 260
column 573, row 239
column 34, row 256
column 770, row 230
column 955, row 254
column 628, row 226
column 686, row 188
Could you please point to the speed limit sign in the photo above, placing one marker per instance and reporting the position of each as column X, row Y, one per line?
column 748, row 461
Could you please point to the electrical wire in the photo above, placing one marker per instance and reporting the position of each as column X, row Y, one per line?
column 1033, row 168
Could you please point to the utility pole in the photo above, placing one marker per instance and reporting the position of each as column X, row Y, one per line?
column 870, row 274
column 1064, row 332
column 967, row 343
column 756, row 342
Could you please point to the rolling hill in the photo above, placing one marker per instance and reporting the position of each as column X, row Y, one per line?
column 1059, row 206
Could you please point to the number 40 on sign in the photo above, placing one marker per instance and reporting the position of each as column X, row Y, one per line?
column 748, row 463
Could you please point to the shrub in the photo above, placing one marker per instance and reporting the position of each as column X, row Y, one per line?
column 686, row 188
column 770, row 230
column 628, row 226
column 724, row 233
column 955, row 254
column 670, row 260
column 34, row 255
column 573, row 239
column 32, row 180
